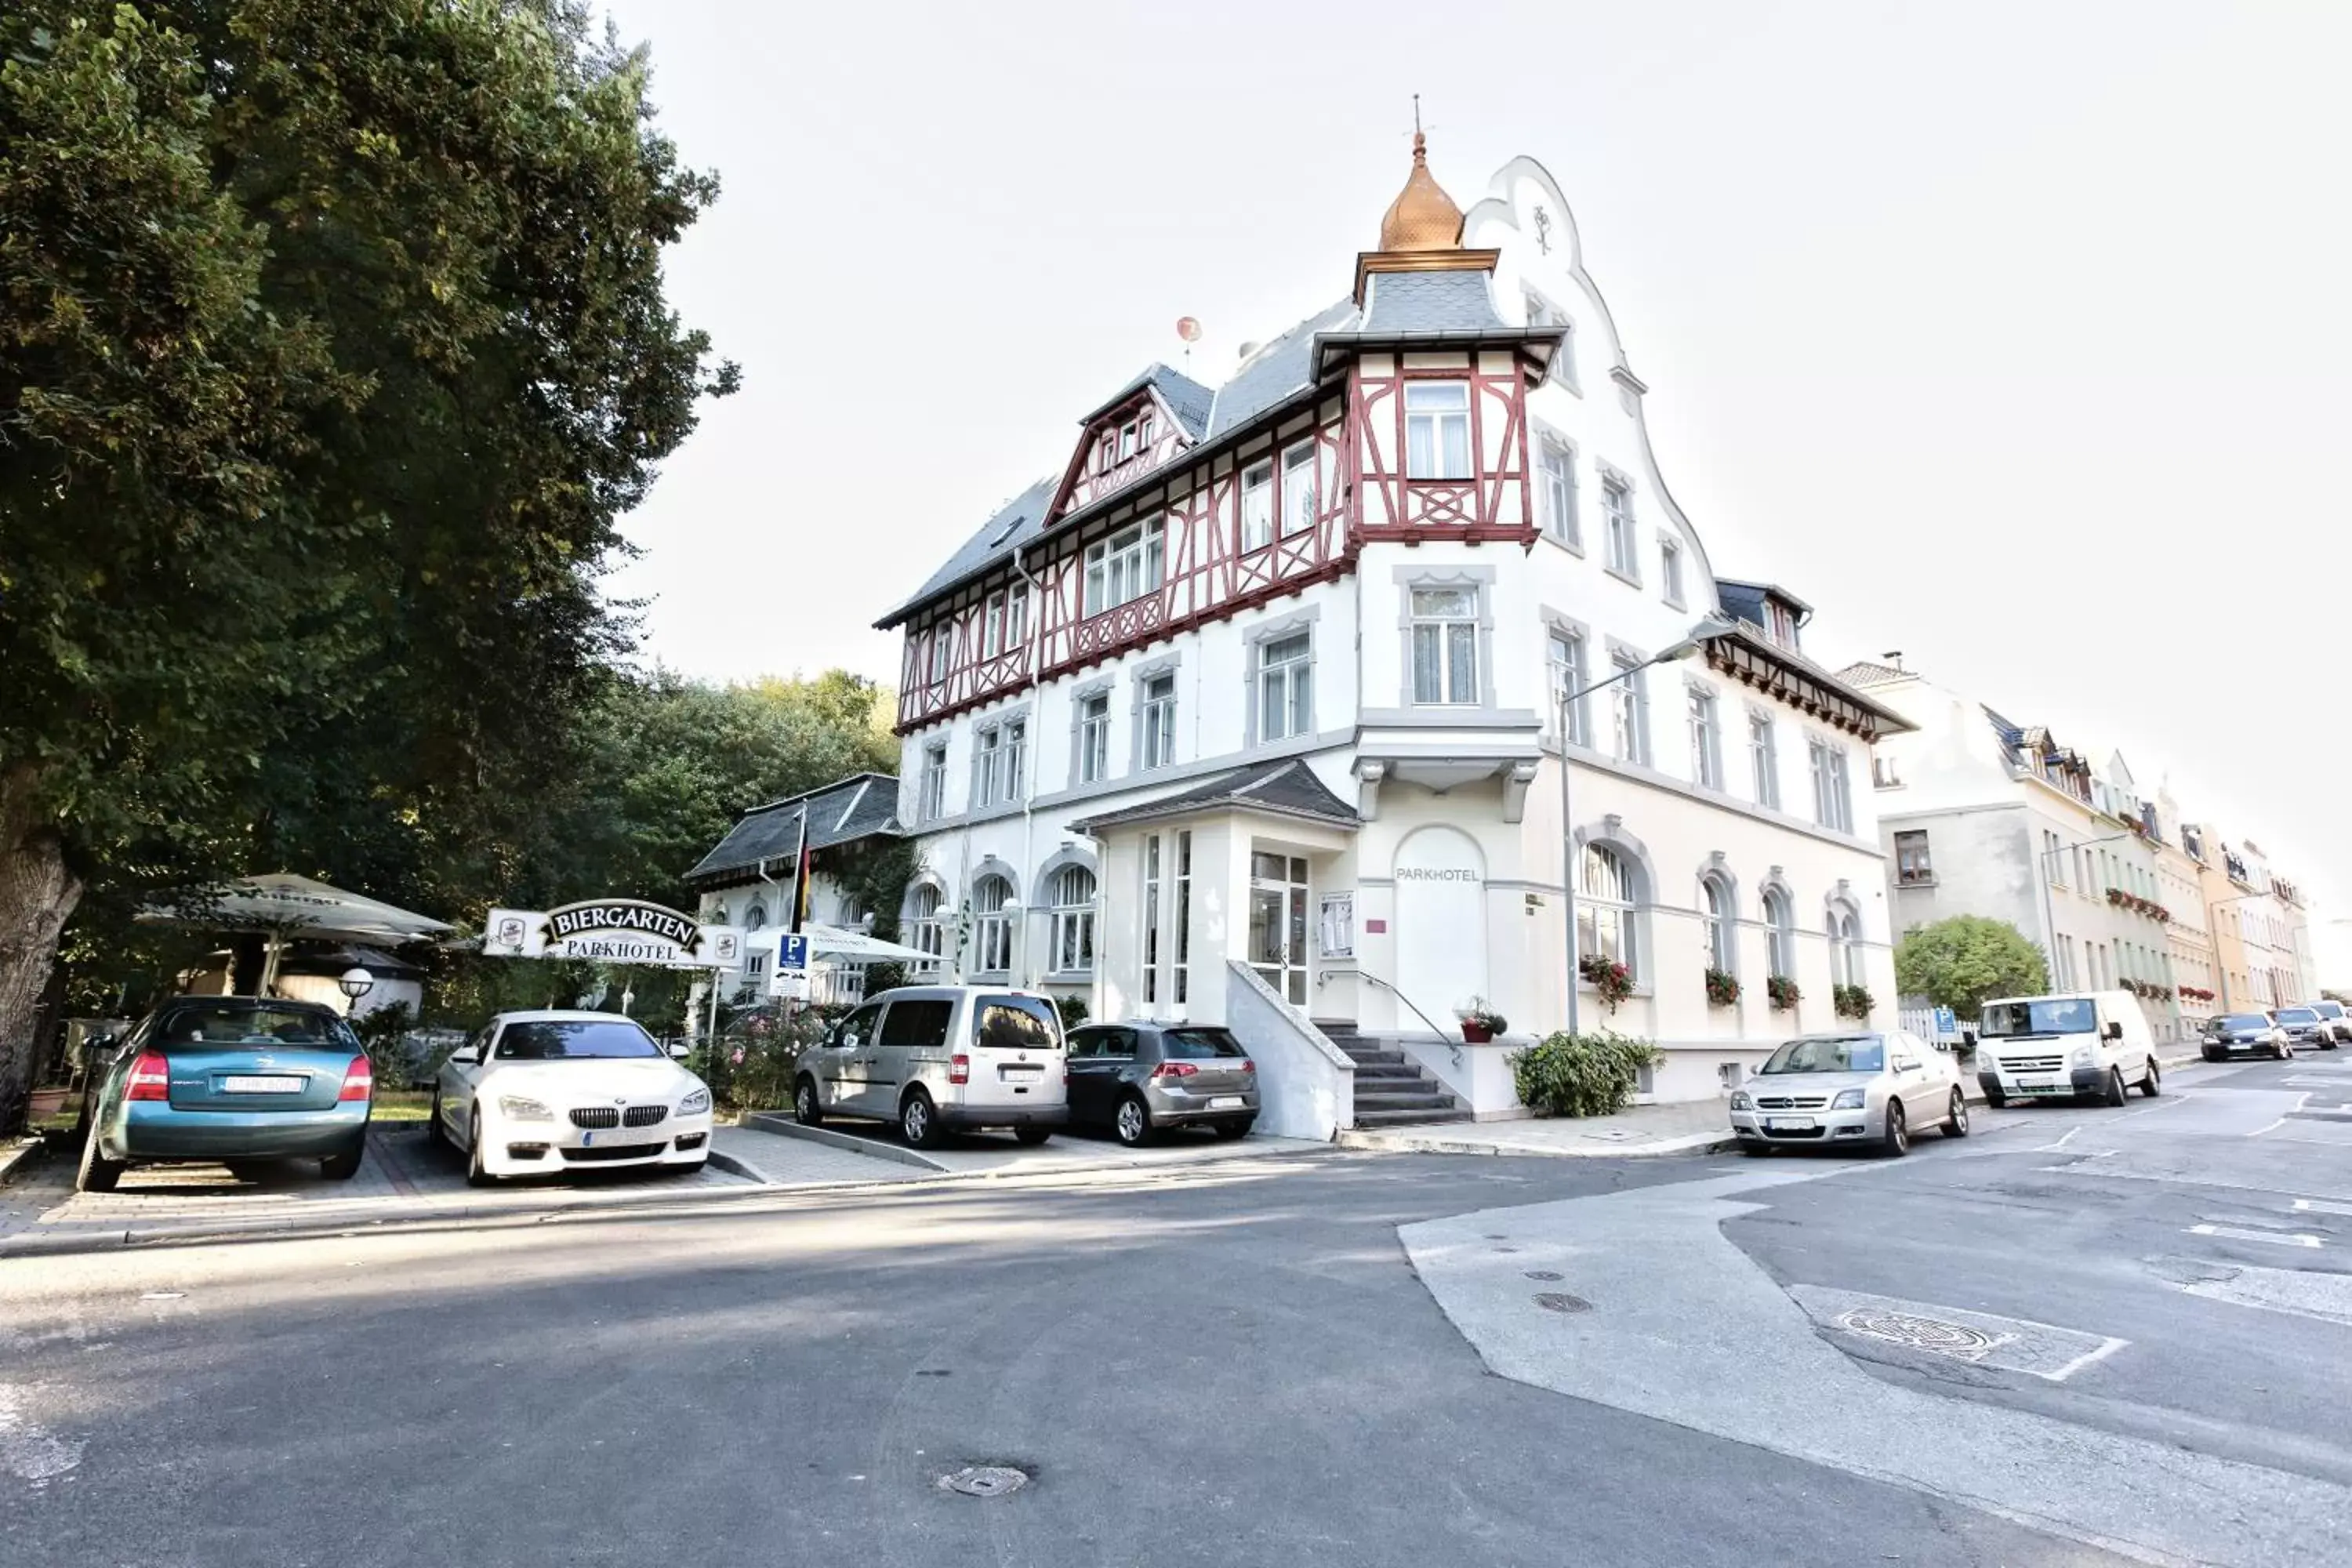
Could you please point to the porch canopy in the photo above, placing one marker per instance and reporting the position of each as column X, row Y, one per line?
column 858, row 947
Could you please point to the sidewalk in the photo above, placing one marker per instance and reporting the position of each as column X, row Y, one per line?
column 1693, row 1127
column 996, row 1153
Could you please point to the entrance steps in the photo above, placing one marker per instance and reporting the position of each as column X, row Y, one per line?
column 1392, row 1088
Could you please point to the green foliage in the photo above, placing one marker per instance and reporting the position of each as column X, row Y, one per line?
column 753, row 1065
column 883, row 976
column 1853, row 1001
column 1581, row 1075
column 1610, row 980
column 1961, row 960
column 1722, row 987
column 876, row 875
column 1072, row 1010
column 1782, row 991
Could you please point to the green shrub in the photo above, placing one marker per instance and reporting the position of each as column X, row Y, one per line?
column 1581, row 1075
column 1072, row 1010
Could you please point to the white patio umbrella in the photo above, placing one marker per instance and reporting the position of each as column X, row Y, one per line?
column 282, row 906
column 858, row 947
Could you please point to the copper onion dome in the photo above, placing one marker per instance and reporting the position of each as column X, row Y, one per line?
column 1422, row 217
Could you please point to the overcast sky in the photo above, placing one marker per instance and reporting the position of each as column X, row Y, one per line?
column 2014, row 336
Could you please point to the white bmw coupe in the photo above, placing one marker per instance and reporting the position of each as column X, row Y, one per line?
column 537, row 1093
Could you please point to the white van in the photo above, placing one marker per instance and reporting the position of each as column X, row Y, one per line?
column 938, row 1059
column 2093, row 1043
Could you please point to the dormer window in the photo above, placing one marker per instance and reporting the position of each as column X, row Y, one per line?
column 1437, row 430
column 1780, row 623
column 1129, row 435
column 1298, row 490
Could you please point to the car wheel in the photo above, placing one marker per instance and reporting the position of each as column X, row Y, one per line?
column 1132, row 1123
column 918, row 1121
column 1955, row 1125
column 434, row 1131
column 1235, row 1129
column 806, row 1111
column 2153, row 1084
column 478, row 1174
column 342, row 1167
column 2213, row 1056
column 1898, row 1141
column 1755, row 1148
column 2283, row 1051
column 248, row 1170
column 1032, row 1136
column 97, row 1174
column 1995, row 1099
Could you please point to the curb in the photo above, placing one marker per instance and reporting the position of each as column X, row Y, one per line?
column 1657, row 1148
column 18, row 1153
column 721, row 1160
column 784, row 1126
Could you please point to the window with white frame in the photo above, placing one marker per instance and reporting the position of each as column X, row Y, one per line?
column 1014, row 760
column 1669, row 571
column 1073, row 892
column 1604, row 907
column 1845, row 946
column 1705, row 739
column 1446, row 645
column 1437, row 429
column 1298, row 497
column 1913, row 868
column 1833, row 796
column 1779, row 934
column 987, row 746
column 934, row 802
column 1715, row 912
column 1883, row 773
column 1124, row 567
column 1564, row 652
column 1629, row 717
column 943, row 650
column 1127, row 439
column 1556, row 490
column 1183, row 914
column 1258, row 506
column 756, row 916
column 925, row 929
column 1159, row 740
column 992, row 911
column 992, row 625
column 1152, row 870
column 1094, row 738
column 1617, row 507
column 1017, row 615
column 1763, row 759
column 1285, row 699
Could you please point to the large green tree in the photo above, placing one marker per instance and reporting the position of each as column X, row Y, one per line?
column 332, row 344
column 1960, row 961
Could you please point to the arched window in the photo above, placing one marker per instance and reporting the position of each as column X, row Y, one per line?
column 1073, row 892
column 1604, row 909
column 992, row 924
column 755, row 917
column 719, row 914
column 1722, row 929
column 1845, row 945
column 1779, row 934
column 924, row 928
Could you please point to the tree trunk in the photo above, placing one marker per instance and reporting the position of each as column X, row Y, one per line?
column 37, row 893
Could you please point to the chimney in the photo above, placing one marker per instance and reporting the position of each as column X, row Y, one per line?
column 1893, row 657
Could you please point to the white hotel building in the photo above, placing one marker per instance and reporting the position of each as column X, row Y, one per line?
column 1245, row 712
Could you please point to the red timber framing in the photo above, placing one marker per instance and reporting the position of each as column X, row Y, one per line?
column 1361, row 494
column 1496, row 504
column 1096, row 470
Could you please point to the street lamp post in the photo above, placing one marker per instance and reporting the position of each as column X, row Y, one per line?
column 1712, row 626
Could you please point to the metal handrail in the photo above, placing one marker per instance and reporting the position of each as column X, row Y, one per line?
column 1451, row 1044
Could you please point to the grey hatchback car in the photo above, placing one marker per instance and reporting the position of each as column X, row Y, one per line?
column 1138, row 1078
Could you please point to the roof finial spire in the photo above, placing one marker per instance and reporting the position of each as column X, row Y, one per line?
column 1422, row 217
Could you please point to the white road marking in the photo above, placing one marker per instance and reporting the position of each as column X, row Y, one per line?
column 2240, row 1233
column 2324, row 1298
column 2320, row 1205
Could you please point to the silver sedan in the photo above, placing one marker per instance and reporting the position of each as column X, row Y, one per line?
column 1865, row 1089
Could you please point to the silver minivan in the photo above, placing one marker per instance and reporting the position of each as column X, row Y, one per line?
column 941, row 1059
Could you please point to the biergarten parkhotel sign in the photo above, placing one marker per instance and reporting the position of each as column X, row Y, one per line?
column 614, row 931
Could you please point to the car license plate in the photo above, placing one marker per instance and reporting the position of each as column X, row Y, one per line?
column 2041, row 1088
column 1225, row 1102
column 244, row 1083
column 1020, row 1070
column 1788, row 1124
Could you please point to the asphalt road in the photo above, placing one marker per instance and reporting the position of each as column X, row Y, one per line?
column 1223, row 1364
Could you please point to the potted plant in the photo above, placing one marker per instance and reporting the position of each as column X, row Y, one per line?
column 1480, row 1022
column 1853, row 1001
column 1781, row 990
column 1610, row 980
column 1722, row 988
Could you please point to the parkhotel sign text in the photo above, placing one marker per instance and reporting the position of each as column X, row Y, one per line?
column 614, row 931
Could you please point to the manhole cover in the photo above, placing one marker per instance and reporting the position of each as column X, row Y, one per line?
column 1561, row 1301
column 1915, row 1333
column 1544, row 1274
column 983, row 1481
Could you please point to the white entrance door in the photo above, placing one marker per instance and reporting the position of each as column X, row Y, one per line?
column 1440, row 924
column 1278, row 937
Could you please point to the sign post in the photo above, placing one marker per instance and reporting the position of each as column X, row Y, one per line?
column 790, row 982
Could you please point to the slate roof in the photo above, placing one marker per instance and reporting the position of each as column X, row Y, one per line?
column 1870, row 672
column 1185, row 397
column 1284, row 787
column 862, row 806
column 1277, row 372
column 1455, row 301
column 1017, row 522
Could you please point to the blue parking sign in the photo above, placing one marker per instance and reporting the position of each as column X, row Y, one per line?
column 792, row 951
column 1946, row 1021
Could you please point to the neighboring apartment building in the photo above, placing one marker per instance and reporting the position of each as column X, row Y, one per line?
column 746, row 877
column 1247, row 708
column 2181, row 870
column 1980, row 816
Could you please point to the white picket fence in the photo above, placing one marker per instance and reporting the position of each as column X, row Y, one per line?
column 1921, row 1021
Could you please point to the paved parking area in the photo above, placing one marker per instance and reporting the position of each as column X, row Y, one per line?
column 1000, row 1154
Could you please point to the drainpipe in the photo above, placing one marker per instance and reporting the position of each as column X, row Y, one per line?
column 1029, row 772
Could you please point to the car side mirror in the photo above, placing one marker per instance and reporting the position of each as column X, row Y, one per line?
column 678, row 1053
column 466, row 1057
column 2115, row 1031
